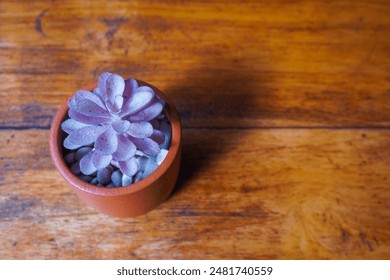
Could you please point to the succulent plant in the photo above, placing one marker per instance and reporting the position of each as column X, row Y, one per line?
column 115, row 130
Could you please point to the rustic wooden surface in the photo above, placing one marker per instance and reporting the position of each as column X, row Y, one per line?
column 286, row 113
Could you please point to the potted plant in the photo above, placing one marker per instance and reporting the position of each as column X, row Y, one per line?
column 118, row 144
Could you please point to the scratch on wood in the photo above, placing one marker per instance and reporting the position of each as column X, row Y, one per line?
column 367, row 58
column 38, row 22
column 113, row 25
column 344, row 235
column 369, row 246
column 362, row 237
column 185, row 33
column 324, row 219
column 365, row 241
column 333, row 163
column 95, row 72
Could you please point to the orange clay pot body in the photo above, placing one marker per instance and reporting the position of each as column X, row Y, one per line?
column 127, row 201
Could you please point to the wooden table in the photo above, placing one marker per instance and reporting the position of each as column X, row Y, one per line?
column 285, row 107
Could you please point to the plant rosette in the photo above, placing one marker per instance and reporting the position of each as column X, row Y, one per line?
column 118, row 145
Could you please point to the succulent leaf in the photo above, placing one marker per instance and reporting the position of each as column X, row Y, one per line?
column 126, row 149
column 157, row 136
column 86, row 165
column 140, row 129
column 101, row 161
column 115, row 86
column 137, row 101
column 147, row 145
column 90, row 108
column 86, row 94
column 118, row 125
column 130, row 86
column 102, row 85
column 129, row 167
column 80, row 117
column 70, row 125
column 84, row 136
column 148, row 113
column 107, row 142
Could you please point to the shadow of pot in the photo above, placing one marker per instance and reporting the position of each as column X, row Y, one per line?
column 126, row 201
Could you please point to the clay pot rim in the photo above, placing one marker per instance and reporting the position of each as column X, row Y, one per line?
column 59, row 162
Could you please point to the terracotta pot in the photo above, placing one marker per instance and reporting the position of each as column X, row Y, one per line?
column 128, row 201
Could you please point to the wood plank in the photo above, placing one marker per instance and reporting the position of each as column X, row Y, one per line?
column 243, row 194
column 280, row 64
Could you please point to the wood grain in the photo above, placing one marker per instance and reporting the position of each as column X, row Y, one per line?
column 290, row 63
column 286, row 113
column 249, row 194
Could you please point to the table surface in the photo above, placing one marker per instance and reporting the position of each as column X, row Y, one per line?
column 285, row 107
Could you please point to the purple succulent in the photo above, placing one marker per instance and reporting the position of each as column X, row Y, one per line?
column 117, row 118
